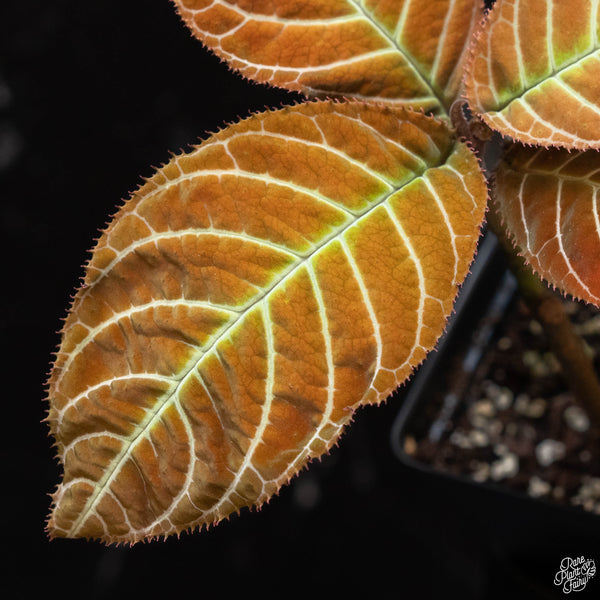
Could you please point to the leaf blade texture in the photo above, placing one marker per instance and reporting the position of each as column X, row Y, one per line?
column 404, row 52
column 548, row 199
column 535, row 69
column 244, row 302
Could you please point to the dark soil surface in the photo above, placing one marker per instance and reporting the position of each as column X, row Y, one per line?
column 516, row 424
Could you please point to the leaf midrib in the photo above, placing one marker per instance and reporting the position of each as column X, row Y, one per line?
column 553, row 75
column 513, row 165
column 409, row 58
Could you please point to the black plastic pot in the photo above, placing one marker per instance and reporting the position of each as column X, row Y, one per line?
column 526, row 538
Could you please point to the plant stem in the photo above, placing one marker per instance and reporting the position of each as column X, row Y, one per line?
column 548, row 309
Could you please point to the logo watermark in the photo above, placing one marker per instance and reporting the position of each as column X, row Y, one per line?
column 574, row 573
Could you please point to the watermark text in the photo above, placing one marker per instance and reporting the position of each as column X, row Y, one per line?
column 574, row 573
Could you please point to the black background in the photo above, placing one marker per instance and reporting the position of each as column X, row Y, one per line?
column 92, row 94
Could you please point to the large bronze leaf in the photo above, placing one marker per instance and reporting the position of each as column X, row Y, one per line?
column 402, row 52
column 535, row 72
column 245, row 301
column 549, row 201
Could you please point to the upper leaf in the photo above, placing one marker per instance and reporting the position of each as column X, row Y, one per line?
column 404, row 52
column 245, row 301
column 549, row 201
column 535, row 72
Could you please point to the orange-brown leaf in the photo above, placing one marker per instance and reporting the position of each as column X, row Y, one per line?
column 245, row 301
column 535, row 72
column 402, row 52
column 549, row 201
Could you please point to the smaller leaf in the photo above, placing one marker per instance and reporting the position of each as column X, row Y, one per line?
column 535, row 72
column 549, row 201
column 397, row 53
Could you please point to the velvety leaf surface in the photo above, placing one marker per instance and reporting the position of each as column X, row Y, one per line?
column 400, row 52
column 549, row 200
column 245, row 301
column 535, row 72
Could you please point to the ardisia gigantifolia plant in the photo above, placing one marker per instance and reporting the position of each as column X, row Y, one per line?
column 300, row 263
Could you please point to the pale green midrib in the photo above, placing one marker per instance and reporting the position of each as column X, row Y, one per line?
column 553, row 75
column 583, row 179
column 145, row 425
column 409, row 59
column 527, row 169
